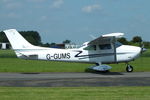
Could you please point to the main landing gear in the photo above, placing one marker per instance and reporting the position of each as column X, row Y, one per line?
column 106, row 68
column 100, row 67
column 129, row 68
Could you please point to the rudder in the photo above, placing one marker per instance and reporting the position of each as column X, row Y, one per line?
column 16, row 40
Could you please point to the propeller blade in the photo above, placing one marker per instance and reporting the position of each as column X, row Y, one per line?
column 142, row 48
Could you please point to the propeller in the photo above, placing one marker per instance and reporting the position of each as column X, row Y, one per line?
column 142, row 48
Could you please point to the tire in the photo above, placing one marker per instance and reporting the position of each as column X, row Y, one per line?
column 129, row 68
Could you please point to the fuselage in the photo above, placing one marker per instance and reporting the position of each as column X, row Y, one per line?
column 102, row 50
column 122, row 53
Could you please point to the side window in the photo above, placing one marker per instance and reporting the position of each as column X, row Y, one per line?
column 105, row 46
column 90, row 47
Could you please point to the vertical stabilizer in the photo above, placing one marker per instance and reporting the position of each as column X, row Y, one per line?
column 16, row 40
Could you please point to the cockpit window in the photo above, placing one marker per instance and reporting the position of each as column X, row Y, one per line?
column 105, row 46
column 90, row 47
column 118, row 44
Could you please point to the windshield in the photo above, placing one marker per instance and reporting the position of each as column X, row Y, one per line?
column 118, row 44
column 90, row 47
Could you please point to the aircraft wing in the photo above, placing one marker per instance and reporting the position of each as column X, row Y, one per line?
column 107, row 38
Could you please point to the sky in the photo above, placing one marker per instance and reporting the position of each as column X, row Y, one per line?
column 77, row 20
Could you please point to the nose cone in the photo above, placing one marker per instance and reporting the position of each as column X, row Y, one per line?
column 133, row 51
column 128, row 53
column 137, row 51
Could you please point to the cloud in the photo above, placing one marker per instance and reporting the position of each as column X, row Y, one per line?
column 13, row 5
column 6, row 1
column 36, row 0
column 57, row 3
column 91, row 8
column 12, row 15
column 43, row 18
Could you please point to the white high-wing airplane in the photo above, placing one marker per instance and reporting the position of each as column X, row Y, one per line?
column 103, row 50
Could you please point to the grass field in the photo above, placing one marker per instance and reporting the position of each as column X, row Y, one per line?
column 9, row 63
column 75, row 93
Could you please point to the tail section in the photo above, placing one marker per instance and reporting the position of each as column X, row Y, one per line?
column 20, row 45
column 16, row 40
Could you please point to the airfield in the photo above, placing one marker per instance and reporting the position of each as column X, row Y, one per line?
column 36, row 80
column 16, row 72
column 74, row 79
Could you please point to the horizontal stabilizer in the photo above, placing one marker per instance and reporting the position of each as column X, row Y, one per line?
column 25, row 55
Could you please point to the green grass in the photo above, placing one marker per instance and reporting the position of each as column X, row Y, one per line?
column 141, row 64
column 19, row 65
column 9, row 63
column 75, row 93
column 146, row 54
column 7, row 54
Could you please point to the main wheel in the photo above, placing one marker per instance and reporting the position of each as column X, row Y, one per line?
column 129, row 68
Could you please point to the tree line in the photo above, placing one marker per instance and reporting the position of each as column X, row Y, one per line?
column 31, row 36
column 136, row 41
column 34, row 38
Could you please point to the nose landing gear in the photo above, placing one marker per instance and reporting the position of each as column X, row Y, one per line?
column 129, row 68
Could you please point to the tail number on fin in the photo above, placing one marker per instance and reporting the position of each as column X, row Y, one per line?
column 56, row 56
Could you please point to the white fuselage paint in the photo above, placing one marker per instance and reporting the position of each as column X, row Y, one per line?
column 104, row 49
column 124, row 53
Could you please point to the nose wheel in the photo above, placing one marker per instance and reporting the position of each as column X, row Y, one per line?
column 129, row 68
